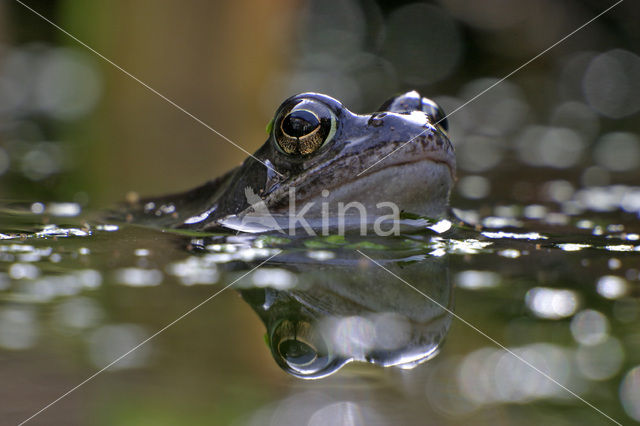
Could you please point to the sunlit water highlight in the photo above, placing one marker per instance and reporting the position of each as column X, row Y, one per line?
column 562, row 296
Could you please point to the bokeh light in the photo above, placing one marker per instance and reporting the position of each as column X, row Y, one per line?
column 551, row 303
column 547, row 190
column 630, row 393
column 611, row 83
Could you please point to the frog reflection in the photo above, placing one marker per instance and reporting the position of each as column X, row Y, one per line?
column 355, row 311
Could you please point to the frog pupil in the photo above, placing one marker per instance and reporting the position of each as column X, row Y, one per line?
column 299, row 123
column 297, row 352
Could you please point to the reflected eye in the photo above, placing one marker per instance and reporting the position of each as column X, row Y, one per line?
column 303, row 129
column 294, row 342
column 297, row 352
column 301, row 350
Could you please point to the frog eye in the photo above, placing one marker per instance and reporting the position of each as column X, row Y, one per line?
column 304, row 129
column 435, row 112
column 413, row 101
column 300, row 123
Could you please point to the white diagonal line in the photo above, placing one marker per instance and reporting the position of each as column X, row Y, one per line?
column 498, row 82
column 146, row 86
column 493, row 340
column 88, row 379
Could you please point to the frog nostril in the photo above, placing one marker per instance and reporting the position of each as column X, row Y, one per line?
column 376, row 119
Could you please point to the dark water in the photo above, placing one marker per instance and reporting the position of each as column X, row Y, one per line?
column 497, row 321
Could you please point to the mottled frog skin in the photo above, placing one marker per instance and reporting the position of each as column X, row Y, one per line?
column 316, row 145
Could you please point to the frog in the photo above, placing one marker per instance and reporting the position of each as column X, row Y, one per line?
column 319, row 153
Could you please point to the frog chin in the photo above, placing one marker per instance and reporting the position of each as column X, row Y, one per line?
column 419, row 187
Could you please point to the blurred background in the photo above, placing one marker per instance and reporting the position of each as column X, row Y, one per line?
column 558, row 143
column 75, row 128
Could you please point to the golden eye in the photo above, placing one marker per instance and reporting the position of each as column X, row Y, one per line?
column 300, row 123
column 304, row 129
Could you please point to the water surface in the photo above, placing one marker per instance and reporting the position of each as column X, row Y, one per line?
column 433, row 324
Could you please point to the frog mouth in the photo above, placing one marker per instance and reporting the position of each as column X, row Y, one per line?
column 439, row 157
column 419, row 185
